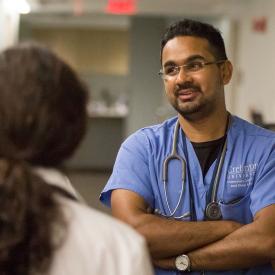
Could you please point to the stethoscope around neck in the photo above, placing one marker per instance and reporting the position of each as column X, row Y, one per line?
column 212, row 210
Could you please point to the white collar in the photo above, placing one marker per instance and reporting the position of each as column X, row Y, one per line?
column 55, row 177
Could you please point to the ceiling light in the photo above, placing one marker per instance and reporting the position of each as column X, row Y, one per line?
column 18, row 6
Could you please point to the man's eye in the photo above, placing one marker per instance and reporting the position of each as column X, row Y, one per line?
column 170, row 70
column 194, row 66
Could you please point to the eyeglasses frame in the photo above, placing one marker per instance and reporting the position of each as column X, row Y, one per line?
column 163, row 76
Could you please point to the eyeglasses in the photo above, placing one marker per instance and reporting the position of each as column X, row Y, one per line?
column 172, row 71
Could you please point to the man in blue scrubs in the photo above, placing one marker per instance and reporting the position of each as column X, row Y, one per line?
column 180, row 235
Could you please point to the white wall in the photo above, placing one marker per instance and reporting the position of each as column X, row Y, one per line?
column 228, row 29
column 9, row 21
column 146, row 91
column 255, row 63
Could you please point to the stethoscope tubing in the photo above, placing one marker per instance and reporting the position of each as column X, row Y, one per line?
column 213, row 204
column 218, row 174
column 174, row 155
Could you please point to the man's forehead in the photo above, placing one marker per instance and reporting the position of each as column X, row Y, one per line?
column 183, row 47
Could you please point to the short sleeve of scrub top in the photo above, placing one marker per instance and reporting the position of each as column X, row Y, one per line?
column 131, row 169
column 263, row 193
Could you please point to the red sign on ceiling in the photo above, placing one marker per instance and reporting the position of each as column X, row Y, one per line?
column 121, row 6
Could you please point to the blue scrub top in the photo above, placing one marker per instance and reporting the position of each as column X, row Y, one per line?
column 247, row 182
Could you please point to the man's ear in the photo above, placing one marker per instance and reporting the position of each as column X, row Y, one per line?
column 227, row 70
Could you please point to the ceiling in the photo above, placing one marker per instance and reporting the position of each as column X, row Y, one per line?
column 52, row 12
column 149, row 7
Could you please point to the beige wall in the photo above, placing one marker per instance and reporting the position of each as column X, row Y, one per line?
column 89, row 51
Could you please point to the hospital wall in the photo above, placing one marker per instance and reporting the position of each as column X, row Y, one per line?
column 255, row 61
column 146, row 92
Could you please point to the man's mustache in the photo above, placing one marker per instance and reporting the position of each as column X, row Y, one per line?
column 187, row 86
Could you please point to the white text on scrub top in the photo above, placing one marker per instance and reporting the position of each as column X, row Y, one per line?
column 241, row 175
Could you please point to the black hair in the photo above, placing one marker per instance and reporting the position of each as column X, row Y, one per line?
column 29, row 218
column 42, row 120
column 189, row 27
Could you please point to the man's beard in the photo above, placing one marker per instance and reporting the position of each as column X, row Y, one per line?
column 193, row 110
column 187, row 109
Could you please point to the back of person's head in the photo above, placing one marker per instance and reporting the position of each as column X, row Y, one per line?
column 42, row 120
column 188, row 27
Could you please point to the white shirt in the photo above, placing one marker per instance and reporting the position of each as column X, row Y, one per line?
column 95, row 243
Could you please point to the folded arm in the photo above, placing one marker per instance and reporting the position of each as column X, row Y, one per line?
column 250, row 245
column 166, row 237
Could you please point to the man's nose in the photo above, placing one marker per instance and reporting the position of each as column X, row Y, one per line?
column 182, row 76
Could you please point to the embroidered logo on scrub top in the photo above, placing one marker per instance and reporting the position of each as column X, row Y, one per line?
column 241, row 175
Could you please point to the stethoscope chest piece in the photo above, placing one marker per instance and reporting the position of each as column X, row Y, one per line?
column 213, row 211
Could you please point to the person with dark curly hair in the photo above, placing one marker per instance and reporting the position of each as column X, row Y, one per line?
column 44, row 229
